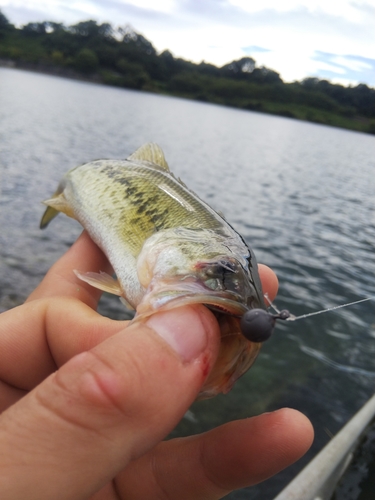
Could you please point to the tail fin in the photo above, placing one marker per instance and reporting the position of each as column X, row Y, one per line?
column 48, row 215
column 57, row 203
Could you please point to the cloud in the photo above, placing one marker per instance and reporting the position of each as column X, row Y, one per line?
column 252, row 49
column 127, row 10
column 353, row 68
column 117, row 12
column 364, row 8
column 296, row 38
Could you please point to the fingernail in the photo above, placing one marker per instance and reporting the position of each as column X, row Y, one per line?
column 182, row 329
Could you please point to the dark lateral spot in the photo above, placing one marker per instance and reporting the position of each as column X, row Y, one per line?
column 153, row 199
column 136, row 221
column 162, row 215
column 150, row 212
column 142, row 208
column 123, row 181
column 130, row 191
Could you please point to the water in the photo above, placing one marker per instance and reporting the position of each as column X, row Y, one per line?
column 301, row 194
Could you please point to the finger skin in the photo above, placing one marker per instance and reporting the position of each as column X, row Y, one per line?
column 9, row 395
column 104, row 408
column 232, row 456
column 270, row 283
column 39, row 336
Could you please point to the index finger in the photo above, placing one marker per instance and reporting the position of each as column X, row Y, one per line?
column 60, row 280
column 270, row 283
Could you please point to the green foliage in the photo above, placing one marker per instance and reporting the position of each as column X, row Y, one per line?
column 4, row 23
column 86, row 61
column 85, row 29
column 35, row 29
column 134, row 75
column 125, row 58
column 57, row 57
column 239, row 69
column 137, row 43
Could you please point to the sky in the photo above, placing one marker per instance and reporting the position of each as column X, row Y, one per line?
column 328, row 39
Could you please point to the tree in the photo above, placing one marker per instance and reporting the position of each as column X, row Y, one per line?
column 135, row 40
column 86, row 61
column 106, row 30
column 246, row 65
column 134, row 75
column 35, row 28
column 265, row 75
column 4, row 23
column 52, row 26
column 208, row 69
column 85, row 29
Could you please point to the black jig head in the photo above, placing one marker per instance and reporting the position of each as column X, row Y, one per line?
column 257, row 324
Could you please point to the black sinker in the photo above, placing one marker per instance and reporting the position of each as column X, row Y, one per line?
column 257, row 324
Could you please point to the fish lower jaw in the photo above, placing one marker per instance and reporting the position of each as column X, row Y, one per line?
column 167, row 296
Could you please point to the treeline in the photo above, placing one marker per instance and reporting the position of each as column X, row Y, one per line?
column 125, row 58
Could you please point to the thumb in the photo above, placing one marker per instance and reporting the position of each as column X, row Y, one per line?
column 105, row 407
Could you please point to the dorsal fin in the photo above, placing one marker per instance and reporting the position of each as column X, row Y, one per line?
column 152, row 153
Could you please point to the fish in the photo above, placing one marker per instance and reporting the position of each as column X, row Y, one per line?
column 167, row 248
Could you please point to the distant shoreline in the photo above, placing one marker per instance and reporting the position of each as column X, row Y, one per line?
column 49, row 70
column 122, row 58
column 358, row 124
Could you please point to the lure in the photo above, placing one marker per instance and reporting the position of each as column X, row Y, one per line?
column 257, row 325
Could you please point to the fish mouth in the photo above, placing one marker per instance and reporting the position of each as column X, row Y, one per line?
column 220, row 304
column 167, row 295
column 236, row 353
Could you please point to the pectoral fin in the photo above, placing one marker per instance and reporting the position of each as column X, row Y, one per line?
column 102, row 281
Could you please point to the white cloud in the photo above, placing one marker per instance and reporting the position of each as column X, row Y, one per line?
column 320, row 65
column 217, row 30
column 162, row 5
column 353, row 64
column 337, row 8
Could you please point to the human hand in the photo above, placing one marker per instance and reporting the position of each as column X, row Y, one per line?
column 87, row 400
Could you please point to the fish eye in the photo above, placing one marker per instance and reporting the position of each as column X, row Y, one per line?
column 257, row 325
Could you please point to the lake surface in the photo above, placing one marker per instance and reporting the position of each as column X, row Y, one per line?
column 302, row 195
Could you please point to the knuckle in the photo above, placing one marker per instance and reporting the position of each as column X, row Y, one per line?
column 88, row 393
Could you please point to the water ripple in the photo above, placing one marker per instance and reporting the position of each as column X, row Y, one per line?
column 301, row 194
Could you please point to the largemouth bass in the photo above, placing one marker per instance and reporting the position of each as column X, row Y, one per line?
column 167, row 248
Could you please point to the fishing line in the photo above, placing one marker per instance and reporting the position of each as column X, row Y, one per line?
column 257, row 324
column 292, row 317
